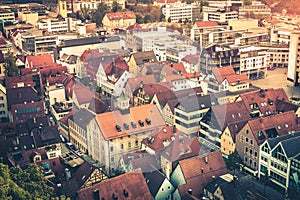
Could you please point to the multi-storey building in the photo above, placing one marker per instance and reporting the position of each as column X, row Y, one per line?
column 6, row 16
column 294, row 58
column 215, row 56
column 220, row 15
column 177, row 52
column 257, row 11
column 179, row 11
column 118, row 20
column 253, row 62
column 256, row 131
column 53, row 25
column 34, row 41
column 112, row 134
column 3, row 103
column 200, row 29
column 279, row 161
column 78, row 122
column 189, row 112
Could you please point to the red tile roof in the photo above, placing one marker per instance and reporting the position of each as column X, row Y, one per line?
column 206, row 24
column 83, row 94
column 192, row 171
column 229, row 113
column 192, row 59
column 131, row 183
column 134, row 27
column 161, row 138
column 134, row 83
column 108, row 121
column 283, row 123
column 178, row 67
column 18, row 81
column 37, row 61
column 181, row 148
column 263, row 99
column 222, row 72
column 166, row 1
column 121, row 15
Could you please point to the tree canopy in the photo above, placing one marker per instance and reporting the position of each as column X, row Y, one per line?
column 97, row 16
column 233, row 161
column 16, row 183
column 11, row 68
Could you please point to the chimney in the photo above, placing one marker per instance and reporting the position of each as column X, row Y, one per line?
column 202, row 170
column 174, row 129
column 206, row 159
column 190, row 191
column 125, row 193
column 34, row 120
column 17, row 141
column 96, row 194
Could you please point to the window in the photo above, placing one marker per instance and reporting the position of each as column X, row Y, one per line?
column 247, row 139
column 251, row 142
column 136, row 143
column 111, row 148
column 122, row 146
column 129, row 144
column 246, row 149
column 112, row 159
column 255, row 153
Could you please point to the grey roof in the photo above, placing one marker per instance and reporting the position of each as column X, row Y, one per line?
column 291, row 146
column 80, row 41
column 46, row 136
column 154, row 181
column 212, row 186
column 112, row 39
column 142, row 57
column 21, row 95
column 197, row 102
column 82, row 118
column 274, row 141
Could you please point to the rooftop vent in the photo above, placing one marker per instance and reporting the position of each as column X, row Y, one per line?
column 148, row 121
column 141, row 123
column 133, row 124
column 125, row 193
column 126, row 126
column 118, row 128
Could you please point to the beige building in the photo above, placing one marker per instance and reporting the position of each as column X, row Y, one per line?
column 118, row 20
column 240, row 24
column 3, row 102
column 29, row 17
column 294, row 58
column 112, row 134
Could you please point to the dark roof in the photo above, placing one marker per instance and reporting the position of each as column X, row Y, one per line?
column 212, row 186
column 46, row 135
column 291, row 146
column 82, row 118
column 197, row 102
column 274, row 141
column 284, row 106
column 98, row 106
column 154, row 180
column 142, row 57
column 131, row 183
column 21, row 95
column 80, row 41
column 71, row 187
column 1, row 57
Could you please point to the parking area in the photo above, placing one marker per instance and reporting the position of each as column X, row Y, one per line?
column 277, row 78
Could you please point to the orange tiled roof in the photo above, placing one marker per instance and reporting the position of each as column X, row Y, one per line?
column 206, row 24
column 192, row 59
column 121, row 15
column 283, row 123
column 222, row 72
column 132, row 182
column 41, row 60
column 108, row 121
column 192, row 172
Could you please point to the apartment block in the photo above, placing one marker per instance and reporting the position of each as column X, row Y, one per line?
column 220, row 15
column 294, row 58
column 179, row 11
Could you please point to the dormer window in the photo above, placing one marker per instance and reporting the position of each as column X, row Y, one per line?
column 286, row 125
column 141, row 123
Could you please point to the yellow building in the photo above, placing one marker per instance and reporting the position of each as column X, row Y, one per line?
column 227, row 141
column 112, row 21
column 113, row 134
column 63, row 8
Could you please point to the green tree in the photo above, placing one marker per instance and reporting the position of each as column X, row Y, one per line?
column 116, row 7
column 247, row 2
column 139, row 19
column 16, row 183
column 233, row 161
column 11, row 68
column 147, row 18
column 97, row 16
